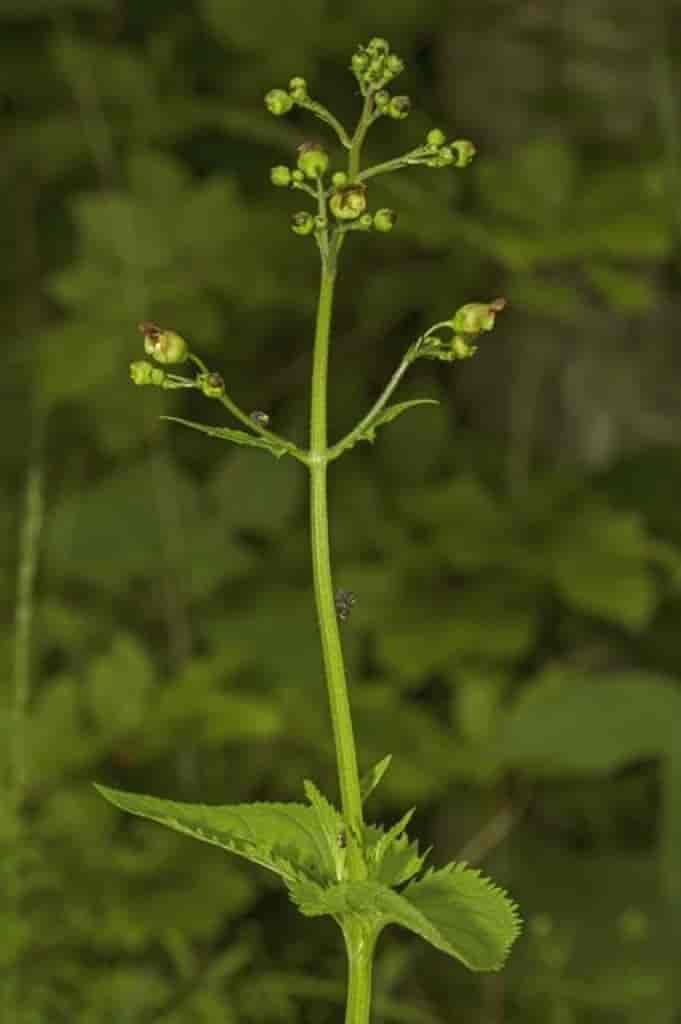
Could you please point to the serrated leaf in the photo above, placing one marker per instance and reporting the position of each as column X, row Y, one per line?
column 330, row 824
column 465, row 914
column 395, row 862
column 455, row 909
column 236, row 436
column 282, row 837
column 372, row 778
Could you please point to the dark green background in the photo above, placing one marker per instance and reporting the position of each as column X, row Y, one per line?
column 516, row 550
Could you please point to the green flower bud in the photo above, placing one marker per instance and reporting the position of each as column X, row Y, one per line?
column 339, row 179
column 312, row 159
column 320, row 222
column 378, row 46
column 297, row 176
column 394, row 65
column 359, row 63
column 365, row 222
column 464, row 151
column 297, row 88
column 461, row 348
column 436, row 138
column 143, row 373
column 349, row 203
column 475, row 317
column 382, row 99
column 376, row 70
column 212, row 385
column 302, row 223
column 278, row 102
column 165, row 346
column 280, row 176
column 399, row 107
column 384, row 220
column 445, row 156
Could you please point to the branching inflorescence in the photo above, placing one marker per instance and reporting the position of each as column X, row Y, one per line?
column 331, row 861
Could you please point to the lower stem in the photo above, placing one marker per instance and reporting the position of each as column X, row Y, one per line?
column 359, row 943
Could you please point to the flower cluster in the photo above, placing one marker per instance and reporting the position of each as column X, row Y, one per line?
column 374, row 66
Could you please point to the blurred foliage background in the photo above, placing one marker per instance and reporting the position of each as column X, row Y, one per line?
column 516, row 550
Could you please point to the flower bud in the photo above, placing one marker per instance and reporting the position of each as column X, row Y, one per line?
column 339, row 179
column 212, row 385
column 475, row 317
column 382, row 99
column 464, row 150
column 297, row 176
column 384, row 220
column 378, row 46
column 399, row 107
column 278, row 102
column 445, row 156
column 462, row 348
column 163, row 345
column 436, row 138
column 312, row 159
column 280, row 176
column 360, row 62
column 302, row 223
column 365, row 222
column 394, row 65
column 297, row 88
column 143, row 373
column 349, row 203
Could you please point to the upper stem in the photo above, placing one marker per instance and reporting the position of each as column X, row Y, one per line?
column 332, row 651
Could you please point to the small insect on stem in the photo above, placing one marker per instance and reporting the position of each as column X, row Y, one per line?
column 259, row 417
column 344, row 602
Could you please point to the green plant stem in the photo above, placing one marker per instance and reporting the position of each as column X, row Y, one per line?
column 374, row 411
column 332, row 651
column 399, row 162
column 358, row 138
column 360, row 942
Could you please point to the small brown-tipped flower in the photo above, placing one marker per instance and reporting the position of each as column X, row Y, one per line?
column 212, row 385
column 163, row 345
column 278, row 102
column 475, row 317
column 349, row 203
column 313, row 160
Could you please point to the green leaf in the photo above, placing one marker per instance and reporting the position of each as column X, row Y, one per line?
column 282, row 837
column 566, row 724
column 372, row 778
column 391, row 857
column 465, row 914
column 329, row 824
column 455, row 909
column 599, row 564
column 390, row 413
column 237, row 436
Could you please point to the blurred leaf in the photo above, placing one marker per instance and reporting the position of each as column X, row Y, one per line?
column 119, row 687
column 570, row 724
